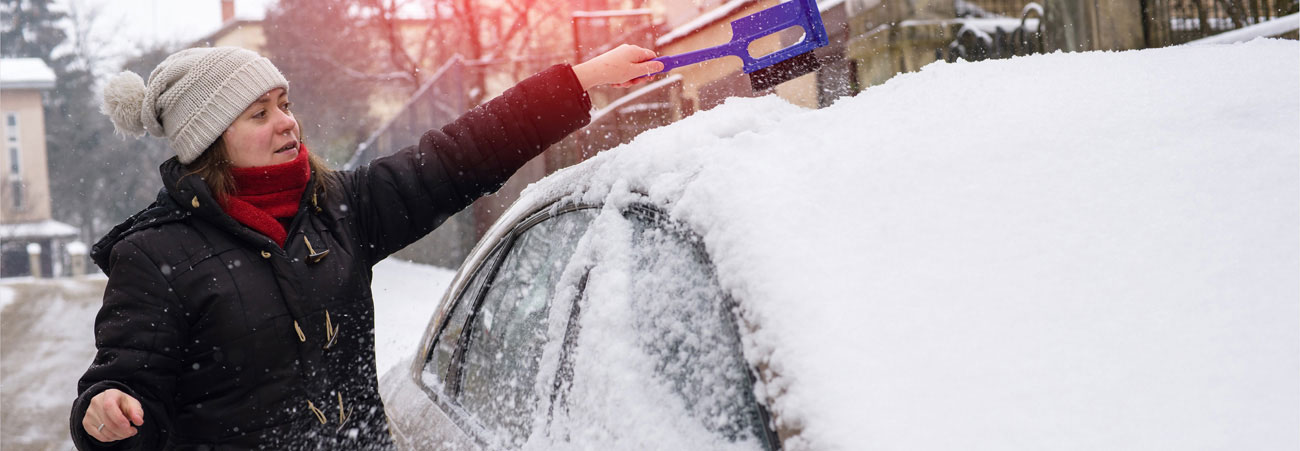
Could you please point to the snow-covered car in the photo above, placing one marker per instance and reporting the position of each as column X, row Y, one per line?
column 1064, row 251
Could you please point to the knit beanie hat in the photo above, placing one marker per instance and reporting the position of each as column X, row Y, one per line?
column 192, row 96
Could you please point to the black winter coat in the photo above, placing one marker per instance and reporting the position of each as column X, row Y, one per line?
column 231, row 342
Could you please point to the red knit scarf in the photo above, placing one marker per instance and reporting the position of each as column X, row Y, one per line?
column 265, row 194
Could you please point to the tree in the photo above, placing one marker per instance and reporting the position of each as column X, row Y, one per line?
column 345, row 58
column 504, row 40
column 30, row 29
column 327, row 57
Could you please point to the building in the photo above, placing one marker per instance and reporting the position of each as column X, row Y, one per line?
column 249, row 33
column 235, row 31
column 31, row 242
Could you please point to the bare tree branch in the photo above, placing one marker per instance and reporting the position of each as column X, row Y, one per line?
column 387, row 77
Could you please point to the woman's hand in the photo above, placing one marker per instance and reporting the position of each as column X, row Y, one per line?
column 619, row 66
column 111, row 415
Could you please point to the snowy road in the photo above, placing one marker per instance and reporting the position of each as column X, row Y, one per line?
column 46, row 342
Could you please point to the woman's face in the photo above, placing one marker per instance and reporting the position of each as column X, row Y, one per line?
column 264, row 134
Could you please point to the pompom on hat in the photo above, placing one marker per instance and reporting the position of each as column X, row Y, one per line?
column 191, row 97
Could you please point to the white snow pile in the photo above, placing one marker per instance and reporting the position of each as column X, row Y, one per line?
column 6, row 297
column 1065, row 251
column 406, row 295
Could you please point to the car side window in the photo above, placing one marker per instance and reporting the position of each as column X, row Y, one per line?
column 509, row 328
column 657, row 343
column 687, row 326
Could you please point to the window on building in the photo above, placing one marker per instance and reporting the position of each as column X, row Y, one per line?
column 11, row 127
column 16, row 192
column 15, row 157
column 11, row 142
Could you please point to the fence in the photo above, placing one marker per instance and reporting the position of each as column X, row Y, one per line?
column 1173, row 22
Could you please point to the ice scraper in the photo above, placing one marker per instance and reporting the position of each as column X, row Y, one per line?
column 774, row 68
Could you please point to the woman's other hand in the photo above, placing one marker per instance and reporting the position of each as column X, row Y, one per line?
column 111, row 416
column 620, row 66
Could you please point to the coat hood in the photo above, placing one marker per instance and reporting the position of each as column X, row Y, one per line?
column 168, row 207
column 179, row 198
column 163, row 210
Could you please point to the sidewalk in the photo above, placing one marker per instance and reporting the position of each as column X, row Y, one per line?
column 46, row 343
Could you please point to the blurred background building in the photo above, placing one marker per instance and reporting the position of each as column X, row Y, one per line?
column 31, row 243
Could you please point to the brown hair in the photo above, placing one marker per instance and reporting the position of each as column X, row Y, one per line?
column 213, row 167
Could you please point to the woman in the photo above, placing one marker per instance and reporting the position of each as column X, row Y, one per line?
column 238, row 311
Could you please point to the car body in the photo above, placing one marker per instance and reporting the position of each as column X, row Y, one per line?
column 896, row 272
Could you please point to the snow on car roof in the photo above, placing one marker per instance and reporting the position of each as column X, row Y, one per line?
column 1072, row 251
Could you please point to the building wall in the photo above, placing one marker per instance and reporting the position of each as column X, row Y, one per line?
column 1118, row 24
column 833, row 79
column 33, row 174
column 677, row 12
column 245, row 34
column 800, row 91
column 1075, row 26
column 883, row 51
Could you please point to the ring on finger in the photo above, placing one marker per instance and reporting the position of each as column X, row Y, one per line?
column 100, row 428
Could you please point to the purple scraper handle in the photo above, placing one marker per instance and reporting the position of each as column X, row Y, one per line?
column 802, row 13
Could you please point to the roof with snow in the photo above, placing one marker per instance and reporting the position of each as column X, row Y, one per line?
column 25, row 73
column 48, row 228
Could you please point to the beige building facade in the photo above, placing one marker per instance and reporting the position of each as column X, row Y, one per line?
column 31, row 242
column 24, row 181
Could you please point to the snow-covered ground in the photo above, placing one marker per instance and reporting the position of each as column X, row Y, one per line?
column 406, row 294
column 48, row 342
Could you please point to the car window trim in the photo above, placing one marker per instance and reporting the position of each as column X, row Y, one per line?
column 446, row 401
column 565, row 366
column 729, row 303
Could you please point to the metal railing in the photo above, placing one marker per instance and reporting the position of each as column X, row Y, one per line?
column 1173, row 22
